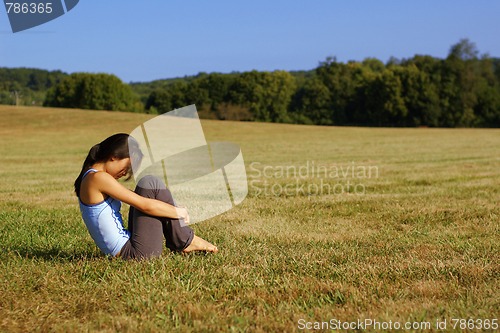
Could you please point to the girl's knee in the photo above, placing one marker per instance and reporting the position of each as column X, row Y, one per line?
column 150, row 182
column 153, row 187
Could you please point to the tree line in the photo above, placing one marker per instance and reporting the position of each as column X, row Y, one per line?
column 462, row 90
column 27, row 86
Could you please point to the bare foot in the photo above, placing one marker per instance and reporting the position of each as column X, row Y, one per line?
column 199, row 244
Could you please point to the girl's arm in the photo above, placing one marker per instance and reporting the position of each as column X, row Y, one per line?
column 105, row 183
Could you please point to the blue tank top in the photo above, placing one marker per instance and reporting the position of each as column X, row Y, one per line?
column 105, row 223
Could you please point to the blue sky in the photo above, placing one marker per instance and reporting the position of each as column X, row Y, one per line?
column 155, row 39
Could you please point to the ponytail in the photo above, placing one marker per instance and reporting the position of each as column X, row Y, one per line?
column 115, row 146
column 92, row 158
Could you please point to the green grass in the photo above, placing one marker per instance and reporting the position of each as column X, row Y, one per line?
column 419, row 243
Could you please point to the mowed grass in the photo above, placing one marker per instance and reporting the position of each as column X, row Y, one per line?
column 396, row 225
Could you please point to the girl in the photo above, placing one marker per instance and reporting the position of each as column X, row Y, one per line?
column 153, row 214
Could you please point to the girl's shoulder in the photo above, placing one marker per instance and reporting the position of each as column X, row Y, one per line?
column 92, row 186
column 100, row 176
column 90, row 173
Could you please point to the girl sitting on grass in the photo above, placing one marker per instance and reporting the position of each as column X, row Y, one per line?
column 153, row 214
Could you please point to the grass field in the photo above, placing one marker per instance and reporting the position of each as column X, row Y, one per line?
column 397, row 225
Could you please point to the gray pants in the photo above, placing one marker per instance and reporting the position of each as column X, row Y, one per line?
column 147, row 232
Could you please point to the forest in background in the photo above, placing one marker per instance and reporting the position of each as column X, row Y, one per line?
column 462, row 90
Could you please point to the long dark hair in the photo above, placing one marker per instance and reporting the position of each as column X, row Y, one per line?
column 119, row 145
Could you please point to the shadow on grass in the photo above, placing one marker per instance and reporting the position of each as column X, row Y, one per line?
column 54, row 254
column 59, row 254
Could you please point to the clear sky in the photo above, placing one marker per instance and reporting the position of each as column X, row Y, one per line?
column 154, row 39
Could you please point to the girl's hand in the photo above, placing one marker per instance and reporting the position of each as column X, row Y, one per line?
column 183, row 214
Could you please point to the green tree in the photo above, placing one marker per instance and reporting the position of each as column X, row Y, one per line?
column 332, row 75
column 266, row 94
column 464, row 50
column 92, row 91
column 311, row 103
column 420, row 96
column 341, row 83
column 170, row 97
column 217, row 86
column 384, row 102
column 374, row 64
column 487, row 91
column 195, row 94
column 459, row 77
